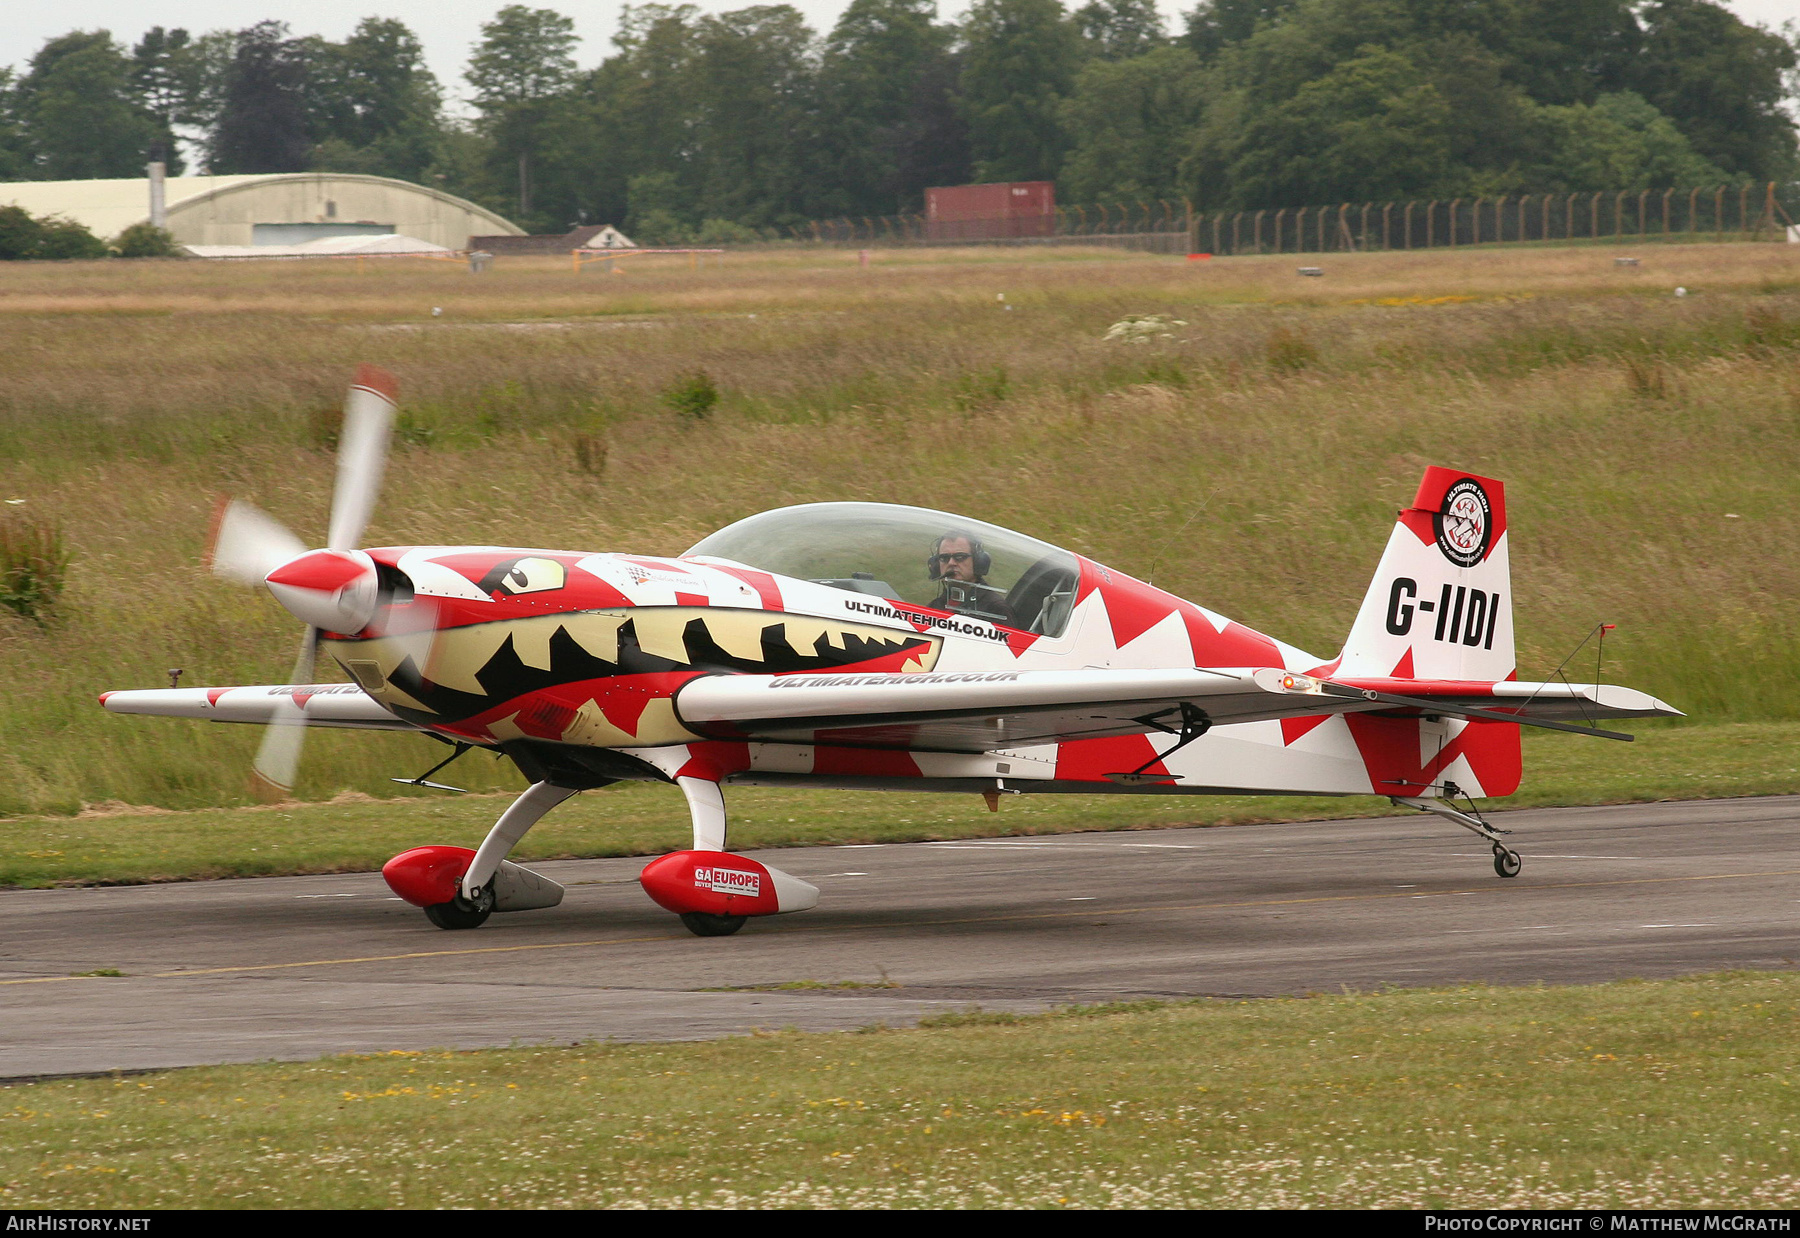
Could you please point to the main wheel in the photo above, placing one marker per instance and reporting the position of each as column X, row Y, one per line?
column 1507, row 862
column 458, row 914
column 709, row 924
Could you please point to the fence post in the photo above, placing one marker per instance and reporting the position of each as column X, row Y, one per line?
column 1667, row 194
column 1217, row 220
column 1475, row 216
column 1259, row 215
column 1237, row 222
column 1744, row 207
column 1431, row 225
column 1387, row 235
column 1365, row 225
column 1408, row 224
column 1719, row 210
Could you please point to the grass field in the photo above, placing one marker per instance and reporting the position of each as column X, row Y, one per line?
column 1671, row 1094
column 1649, row 444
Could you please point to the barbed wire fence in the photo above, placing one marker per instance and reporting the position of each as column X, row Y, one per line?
column 1718, row 212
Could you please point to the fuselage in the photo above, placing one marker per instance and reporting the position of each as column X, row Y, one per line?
column 516, row 648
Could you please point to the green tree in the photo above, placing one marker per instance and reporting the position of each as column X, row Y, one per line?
column 165, row 80
column 1120, row 29
column 1213, row 25
column 880, row 64
column 1721, row 82
column 78, row 110
column 262, row 120
column 1618, row 142
column 1129, row 121
column 373, row 105
column 1020, row 59
column 20, row 234
column 65, row 238
column 15, row 148
column 24, row 235
column 1369, row 129
column 756, row 123
column 145, row 240
column 524, row 62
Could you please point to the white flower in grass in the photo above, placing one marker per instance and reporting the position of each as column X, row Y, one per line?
column 1142, row 328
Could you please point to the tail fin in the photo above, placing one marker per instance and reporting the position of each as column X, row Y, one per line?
column 1440, row 606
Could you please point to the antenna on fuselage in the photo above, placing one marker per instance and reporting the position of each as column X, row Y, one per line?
column 1150, row 578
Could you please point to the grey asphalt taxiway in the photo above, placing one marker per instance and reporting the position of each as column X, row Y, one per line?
column 230, row 971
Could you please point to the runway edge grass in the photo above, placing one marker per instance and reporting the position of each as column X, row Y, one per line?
column 1666, row 1094
column 122, row 844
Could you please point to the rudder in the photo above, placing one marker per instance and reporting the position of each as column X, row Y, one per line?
column 1439, row 607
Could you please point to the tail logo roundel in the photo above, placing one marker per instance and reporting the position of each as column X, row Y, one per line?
column 1462, row 525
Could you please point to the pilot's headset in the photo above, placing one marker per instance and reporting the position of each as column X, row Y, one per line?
column 982, row 559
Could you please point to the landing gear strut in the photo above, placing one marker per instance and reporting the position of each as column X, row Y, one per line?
column 1507, row 862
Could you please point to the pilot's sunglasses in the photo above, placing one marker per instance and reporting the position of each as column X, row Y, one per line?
column 960, row 556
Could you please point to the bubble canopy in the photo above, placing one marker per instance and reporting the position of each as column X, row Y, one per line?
column 894, row 552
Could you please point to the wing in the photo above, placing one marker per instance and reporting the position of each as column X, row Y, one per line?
column 321, row 704
column 978, row 711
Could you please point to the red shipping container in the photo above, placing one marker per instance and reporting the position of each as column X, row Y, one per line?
column 999, row 211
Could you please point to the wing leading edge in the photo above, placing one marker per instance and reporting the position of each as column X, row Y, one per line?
column 321, row 704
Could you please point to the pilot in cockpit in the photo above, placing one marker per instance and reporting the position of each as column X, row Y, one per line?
column 960, row 564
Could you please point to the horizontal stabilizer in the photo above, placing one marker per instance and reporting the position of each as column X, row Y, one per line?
column 321, row 704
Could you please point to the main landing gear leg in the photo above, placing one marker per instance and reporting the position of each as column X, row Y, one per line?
column 1506, row 861
column 474, row 900
column 706, row 805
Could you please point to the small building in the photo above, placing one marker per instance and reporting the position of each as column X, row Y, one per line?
column 1002, row 210
column 279, row 209
column 587, row 236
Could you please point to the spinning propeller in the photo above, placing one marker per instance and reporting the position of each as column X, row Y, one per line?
column 335, row 589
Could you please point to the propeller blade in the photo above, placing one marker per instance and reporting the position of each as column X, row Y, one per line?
column 278, row 759
column 248, row 543
column 362, row 454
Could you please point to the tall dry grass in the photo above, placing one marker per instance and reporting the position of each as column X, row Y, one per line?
column 1648, row 443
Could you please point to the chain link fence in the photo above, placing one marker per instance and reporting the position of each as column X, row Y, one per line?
column 1717, row 212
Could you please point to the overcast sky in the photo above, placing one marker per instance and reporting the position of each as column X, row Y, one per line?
column 447, row 27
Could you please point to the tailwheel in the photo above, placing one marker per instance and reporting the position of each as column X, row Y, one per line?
column 1506, row 861
column 460, row 913
column 708, row 924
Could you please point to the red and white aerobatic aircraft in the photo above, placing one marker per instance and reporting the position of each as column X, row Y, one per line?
column 865, row 645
